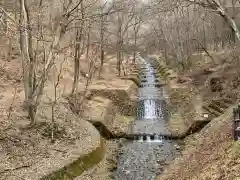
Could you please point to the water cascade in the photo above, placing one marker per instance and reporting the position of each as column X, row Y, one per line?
column 140, row 158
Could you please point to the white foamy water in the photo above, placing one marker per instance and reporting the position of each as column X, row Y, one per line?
column 149, row 105
column 158, row 139
column 149, row 109
column 140, row 139
column 140, row 158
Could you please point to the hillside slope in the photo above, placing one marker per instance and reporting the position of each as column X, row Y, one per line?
column 210, row 154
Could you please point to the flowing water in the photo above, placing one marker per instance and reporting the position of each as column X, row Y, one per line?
column 145, row 157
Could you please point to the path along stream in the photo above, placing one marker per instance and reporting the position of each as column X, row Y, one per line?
column 145, row 157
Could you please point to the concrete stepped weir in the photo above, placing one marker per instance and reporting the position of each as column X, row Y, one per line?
column 148, row 148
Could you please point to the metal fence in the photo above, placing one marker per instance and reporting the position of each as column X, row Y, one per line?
column 236, row 123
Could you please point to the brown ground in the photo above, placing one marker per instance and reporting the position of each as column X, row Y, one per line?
column 103, row 170
column 27, row 152
column 210, row 154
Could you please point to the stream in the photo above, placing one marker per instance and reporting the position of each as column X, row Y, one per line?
column 144, row 158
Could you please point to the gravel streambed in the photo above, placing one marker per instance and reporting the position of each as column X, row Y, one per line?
column 145, row 158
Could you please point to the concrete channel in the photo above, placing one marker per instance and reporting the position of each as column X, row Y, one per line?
column 144, row 157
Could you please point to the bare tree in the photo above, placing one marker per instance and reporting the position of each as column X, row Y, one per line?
column 104, row 12
column 124, row 22
column 78, row 50
column 56, row 83
column 137, row 22
column 119, row 40
column 34, row 87
column 77, row 104
column 28, row 62
column 219, row 9
column 88, row 39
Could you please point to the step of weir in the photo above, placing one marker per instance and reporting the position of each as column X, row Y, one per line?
column 143, row 155
column 147, row 76
column 166, row 136
column 147, row 67
column 149, row 126
column 150, row 92
column 150, row 85
column 149, row 138
column 146, row 70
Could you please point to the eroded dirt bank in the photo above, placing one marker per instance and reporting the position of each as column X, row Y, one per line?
column 206, row 109
column 73, row 144
column 110, row 108
column 26, row 150
column 209, row 153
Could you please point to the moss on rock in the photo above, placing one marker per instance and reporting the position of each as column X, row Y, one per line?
column 77, row 167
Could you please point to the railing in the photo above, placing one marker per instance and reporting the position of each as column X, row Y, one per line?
column 236, row 123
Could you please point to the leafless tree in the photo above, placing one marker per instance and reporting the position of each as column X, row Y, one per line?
column 78, row 49
column 219, row 9
column 104, row 11
column 33, row 86
column 182, row 28
column 125, row 18
column 176, row 28
column 137, row 22
column 54, row 102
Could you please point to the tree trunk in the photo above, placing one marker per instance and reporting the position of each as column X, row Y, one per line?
column 77, row 53
column 76, row 61
column 216, row 6
column 101, row 45
column 28, row 61
column 119, row 32
column 233, row 37
column 135, row 43
column 88, row 40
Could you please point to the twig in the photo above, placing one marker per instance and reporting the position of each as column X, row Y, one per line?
column 205, row 50
column 8, row 15
column 14, row 169
column 91, row 72
column 56, row 84
column 58, row 150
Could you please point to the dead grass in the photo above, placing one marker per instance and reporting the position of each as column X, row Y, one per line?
column 103, row 170
column 183, row 115
column 27, row 153
column 210, row 154
column 197, row 83
column 33, row 151
column 122, row 123
column 121, row 92
column 213, row 147
column 100, row 109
